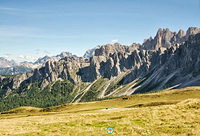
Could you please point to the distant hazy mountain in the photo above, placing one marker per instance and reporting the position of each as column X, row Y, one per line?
column 89, row 53
column 14, row 70
column 43, row 60
column 11, row 67
column 8, row 67
column 4, row 63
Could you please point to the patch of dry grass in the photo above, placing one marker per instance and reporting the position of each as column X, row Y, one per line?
column 24, row 109
column 175, row 112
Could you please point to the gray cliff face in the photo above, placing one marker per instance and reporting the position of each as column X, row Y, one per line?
column 109, row 61
column 178, row 67
column 108, row 49
column 65, row 69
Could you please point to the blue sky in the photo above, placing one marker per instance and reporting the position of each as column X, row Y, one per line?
column 34, row 28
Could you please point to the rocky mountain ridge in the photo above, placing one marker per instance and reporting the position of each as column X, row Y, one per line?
column 117, row 70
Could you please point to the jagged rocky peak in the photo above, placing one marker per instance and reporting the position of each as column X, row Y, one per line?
column 181, row 33
column 192, row 31
column 42, row 61
column 64, row 54
column 105, row 50
column 175, row 67
column 146, row 40
column 108, row 49
column 109, row 61
column 165, row 38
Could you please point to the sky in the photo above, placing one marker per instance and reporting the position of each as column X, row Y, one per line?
column 34, row 28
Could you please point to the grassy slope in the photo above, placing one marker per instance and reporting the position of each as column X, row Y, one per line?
column 174, row 112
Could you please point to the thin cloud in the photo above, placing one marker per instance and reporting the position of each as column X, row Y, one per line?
column 29, row 58
column 5, row 56
column 37, row 51
column 49, row 13
column 114, row 41
column 8, row 54
column 7, row 9
column 29, row 32
column 46, row 52
column 24, row 35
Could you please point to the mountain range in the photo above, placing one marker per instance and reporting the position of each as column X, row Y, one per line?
column 163, row 39
column 169, row 60
column 12, row 67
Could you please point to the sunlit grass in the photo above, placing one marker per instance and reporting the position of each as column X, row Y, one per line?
column 148, row 115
